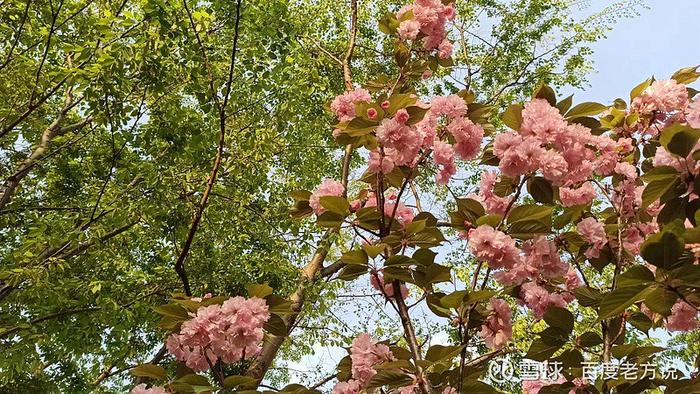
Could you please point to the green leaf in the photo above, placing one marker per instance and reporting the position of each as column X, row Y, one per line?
column 560, row 318
column 540, row 351
column 415, row 226
column 588, row 296
column 656, row 189
column 541, row 190
column 492, row 220
column 539, row 213
column 640, row 321
column 547, row 93
column 194, row 380
column 513, row 116
column 639, row 89
column 353, row 271
column 565, row 104
column 635, row 276
column 679, row 139
column 238, row 381
column 360, row 126
column 260, row 291
column 661, row 301
column 391, row 379
column 686, row 75
column 439, row 353
column 664, row 248
column 275, row 326
column 586, row 109
column 335, row 204
column 300, row 195
column 527, row 229
column 172, row 310
column 590, row 339
column 618, row 300
column 329, row 219
column 357, row 256
column 149, row 371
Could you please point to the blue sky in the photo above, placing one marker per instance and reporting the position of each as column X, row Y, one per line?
column 661, row 40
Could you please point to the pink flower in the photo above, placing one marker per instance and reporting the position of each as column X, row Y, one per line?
column 379, row 163
column 395, row 134
column 444, row 158
column 376, row 279
column 467, row 135
column 445, row 49
column 365, row 353
column 497, row 328
column 385, row 104
column 401, row 115
column 349, row 387
column 141, row 389
column 329, row 187
column 449, row 390
column 627, row 170
column 505, row 142
column 371, row 113
column 577, row 196
column 593, row 232
column 494, row 204
column 494, row 247
column 692, row 113
column 229, row 332
column 554, row 167
column 542, row 254
column 343, row 106
column 573, row 281
column 542, row 120
column 538, row 299
column 426, row 75
column 664, row 96
column 408, row 30
column 451, row 106
column 683, row 317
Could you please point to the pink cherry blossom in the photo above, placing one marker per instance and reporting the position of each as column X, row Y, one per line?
column 444, row 157
column 692, row 113
column 141, row 389
column 229, row 332
column 365, row 353
column 593, row 232
column 445, row 49
column 538, row 299
column 380, row 163
column 581, row 195
column 542, row 120
column 542, row 254
column 349, row 387
column 683, row 317
column 343, row 106
column 468, row 136
column 404, row 139
column 408, row 30
column 494, row 247
column 663, row 95
column 328, row 187
column 497, row 328
column 493, row 203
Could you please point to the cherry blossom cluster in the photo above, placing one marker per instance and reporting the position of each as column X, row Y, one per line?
column 328, row 187
column 534, row 386
column 566, row 154
column 141, row 389
column 497, row 328
column 532, row 268
column 425, row 21
column 365, row 354
column 229, row 332
column 664, row 102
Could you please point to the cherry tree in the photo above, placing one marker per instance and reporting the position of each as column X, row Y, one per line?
column 579, row 208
